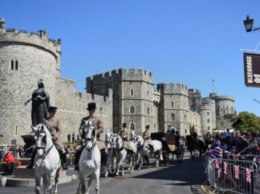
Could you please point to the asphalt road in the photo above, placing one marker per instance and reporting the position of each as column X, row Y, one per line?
column 185, row 177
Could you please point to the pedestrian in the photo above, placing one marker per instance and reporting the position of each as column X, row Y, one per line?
column 73, row 137
column 9, row 163
column 78, row 138
column 68, row 137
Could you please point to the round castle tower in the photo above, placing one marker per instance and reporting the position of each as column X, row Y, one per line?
column 224, row 104
column 25, row 58
column 208, row 115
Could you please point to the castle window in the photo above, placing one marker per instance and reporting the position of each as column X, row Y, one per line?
column 173, row 117
column 148, row 111
column 16, row 65
column 131, row 92
column 132, row 126
column 208, row 120
column 208, row 128
column 207, row 113
column 172, row 104
column 132, row 110
column 12, row 65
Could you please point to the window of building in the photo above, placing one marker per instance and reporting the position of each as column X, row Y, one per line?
column 173, row 117
column 148, row 110
column 132, row 126
column 172, row 104
column 208, row 128
column 207, row 113
column 208, row 120
column 131, row 92
column 14, row 65
column 132, row 110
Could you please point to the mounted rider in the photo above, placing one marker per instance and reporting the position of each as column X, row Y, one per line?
column 124, row 133
column 99, row 126
column 54, row 126
column 147, row 137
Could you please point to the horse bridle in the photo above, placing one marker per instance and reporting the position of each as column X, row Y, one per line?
column 42, row 147
column 92, row 138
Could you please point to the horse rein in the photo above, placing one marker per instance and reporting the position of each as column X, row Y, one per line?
column 43, row 147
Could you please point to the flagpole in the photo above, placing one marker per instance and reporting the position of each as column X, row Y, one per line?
column 212, row 85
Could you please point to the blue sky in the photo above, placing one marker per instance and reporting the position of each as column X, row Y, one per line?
column 189, row 41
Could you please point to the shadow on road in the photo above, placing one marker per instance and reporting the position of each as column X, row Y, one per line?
column 188, row 172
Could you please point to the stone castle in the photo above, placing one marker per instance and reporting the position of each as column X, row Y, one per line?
column 122, row 96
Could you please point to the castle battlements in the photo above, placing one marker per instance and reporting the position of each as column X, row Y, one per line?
column 172, row 88
column 123, row 75
column 220, row 98
column 39, row 39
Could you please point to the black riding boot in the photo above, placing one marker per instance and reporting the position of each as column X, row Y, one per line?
column 76, row 159
column 30, row 166
column 62, row 156
column 64, row 161
column 103, row 157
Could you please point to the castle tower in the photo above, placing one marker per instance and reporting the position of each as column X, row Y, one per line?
column 208, row 115
column 2, row 25
column 174, row 107
column 25, row 58
column 132, row 96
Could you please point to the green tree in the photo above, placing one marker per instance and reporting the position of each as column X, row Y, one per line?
column 246, row 121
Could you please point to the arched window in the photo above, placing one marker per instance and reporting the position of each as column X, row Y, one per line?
column 132, row 126
column 132, row 109
column 173, row 117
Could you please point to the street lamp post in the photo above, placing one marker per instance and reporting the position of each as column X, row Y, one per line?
column 249, row 25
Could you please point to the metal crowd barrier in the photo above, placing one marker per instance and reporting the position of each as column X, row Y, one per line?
column 233, row 175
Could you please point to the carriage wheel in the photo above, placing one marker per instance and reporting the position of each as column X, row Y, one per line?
column 180, row 153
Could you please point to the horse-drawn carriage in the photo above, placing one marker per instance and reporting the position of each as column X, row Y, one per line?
column 171, row 144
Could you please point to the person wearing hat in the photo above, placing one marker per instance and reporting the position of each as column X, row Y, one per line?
column 99, row 126
column 124, row 133
column 147, row 136
column 54, row 126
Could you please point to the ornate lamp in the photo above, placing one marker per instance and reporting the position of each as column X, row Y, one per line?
column 248, row 24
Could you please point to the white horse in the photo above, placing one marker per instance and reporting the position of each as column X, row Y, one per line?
column 47, row 161
column 138, row 140
column 121, row 154
column 90, row 160
column 157, row 151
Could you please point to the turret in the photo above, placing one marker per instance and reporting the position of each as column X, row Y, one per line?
column 2, row 25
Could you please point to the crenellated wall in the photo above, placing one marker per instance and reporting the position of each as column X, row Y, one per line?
column 24, row 60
